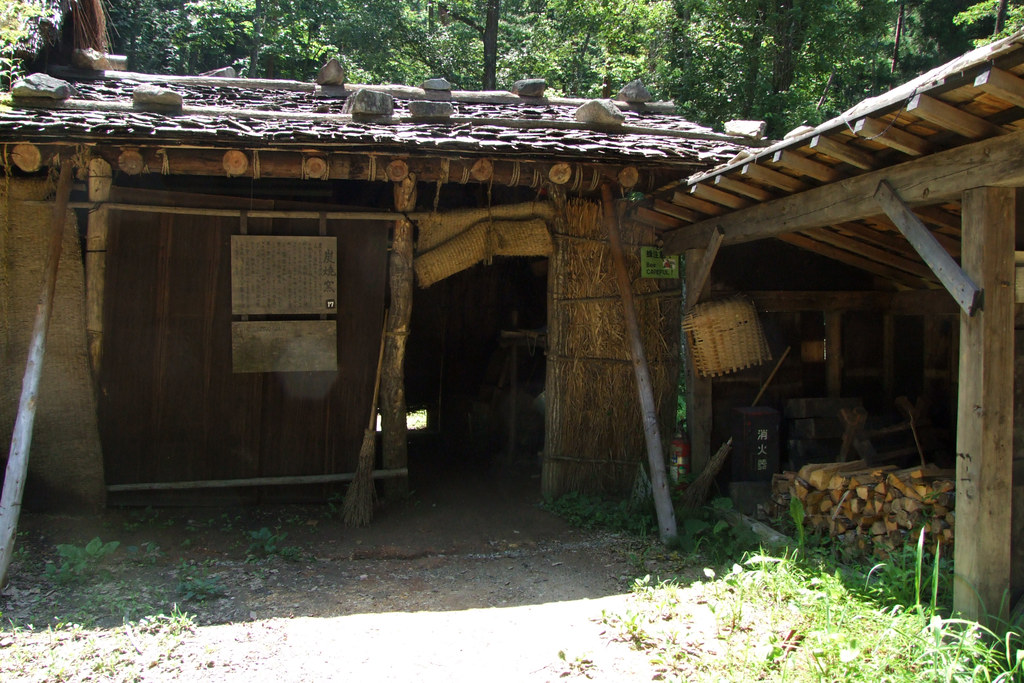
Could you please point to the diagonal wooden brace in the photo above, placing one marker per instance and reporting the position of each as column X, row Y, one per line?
column 967, row 294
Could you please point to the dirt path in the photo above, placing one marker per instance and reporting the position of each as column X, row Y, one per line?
column 466, row 579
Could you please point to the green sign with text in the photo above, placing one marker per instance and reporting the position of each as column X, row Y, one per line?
column 654, row 263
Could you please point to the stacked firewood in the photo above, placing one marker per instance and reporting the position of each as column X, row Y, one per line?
column 872, row 508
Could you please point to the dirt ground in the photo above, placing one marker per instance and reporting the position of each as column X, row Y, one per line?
column 467, row 578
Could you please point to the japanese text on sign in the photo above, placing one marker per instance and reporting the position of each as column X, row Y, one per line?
column 273, row 275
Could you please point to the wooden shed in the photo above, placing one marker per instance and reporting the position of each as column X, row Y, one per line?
column 913, row 198
column 245, row 243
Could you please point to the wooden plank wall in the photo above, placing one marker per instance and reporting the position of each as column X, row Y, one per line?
column 172, row 410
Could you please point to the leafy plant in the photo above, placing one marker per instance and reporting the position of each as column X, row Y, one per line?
column 707, row 531
column 595, row 512
column 76, row 560
column 196, row 584
column 265, row 543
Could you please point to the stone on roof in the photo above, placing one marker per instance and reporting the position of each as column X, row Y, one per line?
column 44, row 87
column 366, row 102
column 223, row 72
column 746, row 129
column 90, row 59
column 151, row 97
column 601, row 112
column 426, row 109
column 437, row 84
column 530, row 87
column 331, row 73
column 634, row 92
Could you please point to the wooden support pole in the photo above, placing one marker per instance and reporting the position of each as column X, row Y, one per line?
column 394, row 449
column 703, row 273
column 698, row 389
column 21, row 440
column 96, row 260
column 888, row 356
column 984, row 444
column 645, row 388
column 834, row 353
column 957, row 283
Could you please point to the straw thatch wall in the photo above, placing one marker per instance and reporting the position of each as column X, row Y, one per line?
column 65, row 464
column 595, row 440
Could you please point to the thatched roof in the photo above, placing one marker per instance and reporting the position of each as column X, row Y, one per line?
column 281, row 113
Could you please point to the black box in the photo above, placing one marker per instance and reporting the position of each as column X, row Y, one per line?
column 755, row 444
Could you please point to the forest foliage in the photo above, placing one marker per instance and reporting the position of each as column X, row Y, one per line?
column 785, row 61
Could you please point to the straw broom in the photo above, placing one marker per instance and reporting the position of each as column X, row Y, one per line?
column 358, row 506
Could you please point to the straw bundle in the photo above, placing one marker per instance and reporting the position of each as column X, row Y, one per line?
column 595, row 439
column 725, row 336
column 481, row 242
column 438, row 228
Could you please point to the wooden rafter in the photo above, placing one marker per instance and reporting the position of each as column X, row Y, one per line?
column 851, row 259
column 713, row 194
column 947, row 116
column 767, row 176
column 888, row 134
column 860, row 158
column 1002, row 84
column 741, row 188
column 937, row 178
column 869, row 251
column 804, row 166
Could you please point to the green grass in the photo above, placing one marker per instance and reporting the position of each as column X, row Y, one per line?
column 791, row 619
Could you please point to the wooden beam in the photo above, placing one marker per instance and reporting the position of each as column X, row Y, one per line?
column 1002, row 85
column 850, row 258
column 288, row 480
column 394, row 446
column 698, row 388
column 682, row 213
column 686, row 200
column 933, row 179
column 712, row 194
column 27, row 157
column 984, row 444
column 657, row 219
column 922, row 302
column 741, row 188
column 767, row 176
column 956, row 282
column 949, row 117
column 100, row 180
column 889, row 135
column 869, row 251
column 695, row 289
column 804, row 166
column 843, row 152
column 645, row 387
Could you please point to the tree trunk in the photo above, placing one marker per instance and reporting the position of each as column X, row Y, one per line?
column 899, row 35
column 257, row 38
column 491, row 44
column 1000, row 18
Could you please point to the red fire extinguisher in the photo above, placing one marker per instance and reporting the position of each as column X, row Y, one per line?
column 680, row 456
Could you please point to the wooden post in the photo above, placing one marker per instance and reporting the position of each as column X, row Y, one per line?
column 698, row 389
column 645, row 388
column 984, row 462
column 21, row 440
column 834, row 353
column 394, row 449
column 96, row 260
